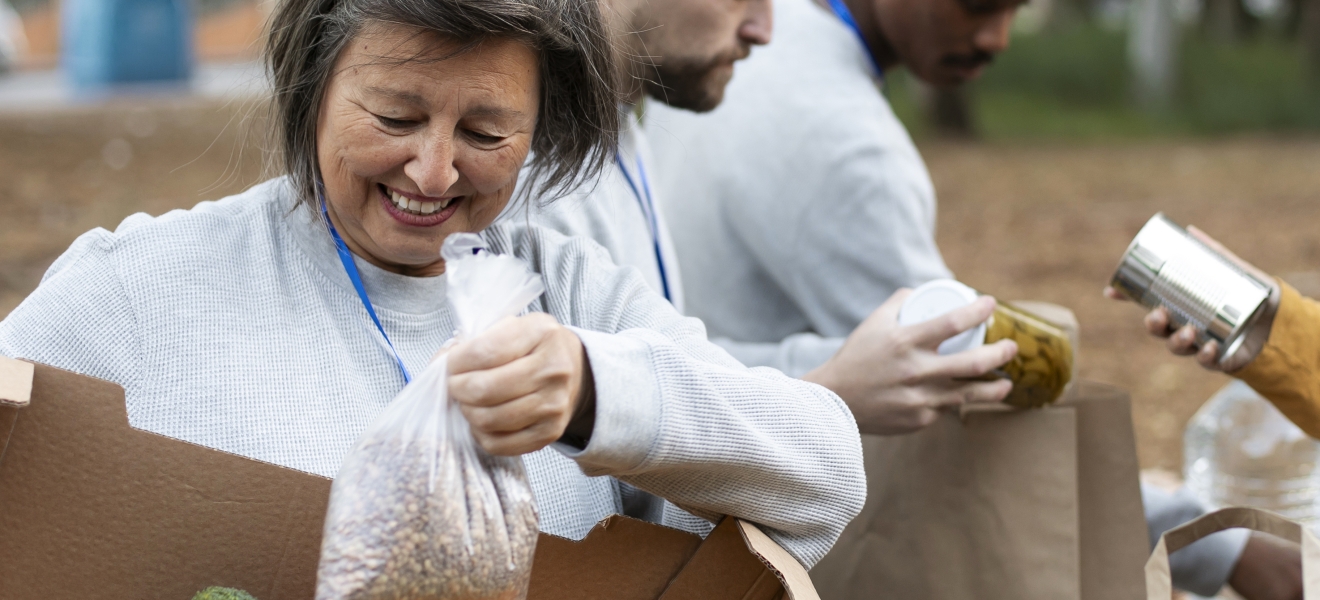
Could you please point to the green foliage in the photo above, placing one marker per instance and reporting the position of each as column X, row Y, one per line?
column 221, row 593
column 1084, row 66
column 1075, row 83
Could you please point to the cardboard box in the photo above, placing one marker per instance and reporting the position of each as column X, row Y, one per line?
column 92, row 508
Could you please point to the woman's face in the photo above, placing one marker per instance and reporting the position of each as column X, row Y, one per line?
column 414, row 145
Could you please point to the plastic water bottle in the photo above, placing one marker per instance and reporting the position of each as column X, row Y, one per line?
column 1239, row 450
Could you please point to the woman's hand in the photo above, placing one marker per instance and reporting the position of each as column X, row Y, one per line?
column 521, row 383
column 1182, row 341
column 894, row 379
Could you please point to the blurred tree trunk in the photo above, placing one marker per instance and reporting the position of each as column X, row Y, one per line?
column 1308, row 32
column 1153, row 52
column 950, row 112
column 1226, row 20
column 1066, row 13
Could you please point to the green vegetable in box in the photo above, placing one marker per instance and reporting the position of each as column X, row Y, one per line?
column 222, row 593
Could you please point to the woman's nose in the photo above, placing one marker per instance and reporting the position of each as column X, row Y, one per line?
column 759, row 24
column 433, row 168
column 994, row 34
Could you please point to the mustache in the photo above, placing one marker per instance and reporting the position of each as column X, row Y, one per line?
column 742, row 51
column 970, row 60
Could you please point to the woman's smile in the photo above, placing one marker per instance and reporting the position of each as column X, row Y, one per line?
column 417, row 210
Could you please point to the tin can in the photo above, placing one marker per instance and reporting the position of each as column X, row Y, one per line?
column 1165, row 266
column 1043, row 366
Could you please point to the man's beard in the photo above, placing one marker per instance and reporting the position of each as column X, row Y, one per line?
column 690, row 84
column 970, row 60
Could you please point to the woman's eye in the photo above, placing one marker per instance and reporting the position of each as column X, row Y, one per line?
column 484, row 138
column 395, row 123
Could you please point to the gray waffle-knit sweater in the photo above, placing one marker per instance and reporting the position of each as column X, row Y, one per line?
column 233, row 325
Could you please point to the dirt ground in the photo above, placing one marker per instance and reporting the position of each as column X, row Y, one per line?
column 1041, row 221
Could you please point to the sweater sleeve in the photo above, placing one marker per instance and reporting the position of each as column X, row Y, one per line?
column 795, row 355
column 678, row 417
column 79, row 318
column 1287, row 370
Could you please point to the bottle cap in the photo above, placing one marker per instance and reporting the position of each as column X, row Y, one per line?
column 937, row 298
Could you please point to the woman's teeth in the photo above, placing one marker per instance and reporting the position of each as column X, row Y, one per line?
column 416, row 206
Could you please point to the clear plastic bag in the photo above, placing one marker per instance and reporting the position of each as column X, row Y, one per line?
column 419, row 510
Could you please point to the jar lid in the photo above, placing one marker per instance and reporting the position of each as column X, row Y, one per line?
column 937, row 298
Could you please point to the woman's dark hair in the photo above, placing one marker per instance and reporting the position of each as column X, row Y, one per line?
column 577, row 126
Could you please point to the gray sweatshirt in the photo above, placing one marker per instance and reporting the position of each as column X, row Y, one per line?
column 234, row 326
column 800, row 204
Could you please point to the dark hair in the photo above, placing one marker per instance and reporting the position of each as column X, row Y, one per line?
column 577, row 125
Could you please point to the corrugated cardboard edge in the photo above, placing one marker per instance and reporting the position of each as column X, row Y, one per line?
column 15, row 382
column 790, row 572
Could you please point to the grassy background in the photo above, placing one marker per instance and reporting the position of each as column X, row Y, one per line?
column 1075, row 83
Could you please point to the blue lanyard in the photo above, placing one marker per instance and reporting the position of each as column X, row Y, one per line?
column 647, row 205
column 846, row 16
column 350, row 267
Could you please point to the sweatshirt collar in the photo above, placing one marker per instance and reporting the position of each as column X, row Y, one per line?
column 391, row 291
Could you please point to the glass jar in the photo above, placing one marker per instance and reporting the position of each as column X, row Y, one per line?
column 1043, row 366
column 1239, row 450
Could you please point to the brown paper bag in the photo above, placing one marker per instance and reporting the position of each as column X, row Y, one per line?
column 1158, row 583
column 992, row 503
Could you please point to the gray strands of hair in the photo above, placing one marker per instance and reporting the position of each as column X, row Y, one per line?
column 578, row 122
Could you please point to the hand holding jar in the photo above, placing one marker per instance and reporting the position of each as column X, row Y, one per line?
column 895, row 380
column 1041, row 368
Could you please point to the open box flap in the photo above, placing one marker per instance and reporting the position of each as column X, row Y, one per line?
column 790, row 572
column 92, row 508
column 15, row 382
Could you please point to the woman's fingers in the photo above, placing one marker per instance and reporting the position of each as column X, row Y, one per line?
column 975, row 362
column 518, row 383
column 891, row 307
column 932, row 333
column 492, row 387
column 517, row 414
column 517, row 443
column 973, row 392
column 1183, row 341
column 507, row 340
column 1157, row 323
column 1208, row 356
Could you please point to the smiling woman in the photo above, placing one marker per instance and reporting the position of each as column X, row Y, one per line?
column 413, row 150
column 277, row 324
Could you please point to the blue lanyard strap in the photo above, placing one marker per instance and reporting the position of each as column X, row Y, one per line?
column 647, row 205
column 845, row 15
column 350, row 267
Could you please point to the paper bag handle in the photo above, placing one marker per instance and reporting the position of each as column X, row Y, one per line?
column 1159, row 584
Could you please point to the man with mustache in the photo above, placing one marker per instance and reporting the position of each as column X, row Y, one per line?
column 801, row 204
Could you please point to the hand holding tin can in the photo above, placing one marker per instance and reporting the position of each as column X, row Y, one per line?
column 1205, row 300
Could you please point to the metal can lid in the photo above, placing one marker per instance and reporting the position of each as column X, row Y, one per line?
column 937, row 298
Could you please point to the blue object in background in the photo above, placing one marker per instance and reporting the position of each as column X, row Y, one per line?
column 110, row 42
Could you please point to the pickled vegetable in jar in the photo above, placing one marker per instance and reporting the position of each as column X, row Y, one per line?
column 1043, row 365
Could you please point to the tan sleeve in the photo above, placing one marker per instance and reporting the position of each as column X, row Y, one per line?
column 1287, row 371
